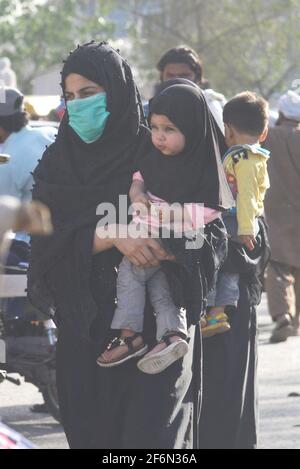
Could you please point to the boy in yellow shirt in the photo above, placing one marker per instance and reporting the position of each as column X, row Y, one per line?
column 246, row 126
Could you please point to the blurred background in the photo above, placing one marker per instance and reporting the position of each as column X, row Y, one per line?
column 249, row 44
column 254, row 44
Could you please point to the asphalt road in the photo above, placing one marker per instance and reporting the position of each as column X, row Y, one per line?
column 279, row 376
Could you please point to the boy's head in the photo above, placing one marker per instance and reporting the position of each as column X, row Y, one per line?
column 180, row 62
column 246, row 119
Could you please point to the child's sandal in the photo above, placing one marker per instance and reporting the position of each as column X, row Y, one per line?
column 216, row 324
column 157, row 362
column 130, row 351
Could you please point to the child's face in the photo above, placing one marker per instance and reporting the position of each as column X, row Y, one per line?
column 166, row 137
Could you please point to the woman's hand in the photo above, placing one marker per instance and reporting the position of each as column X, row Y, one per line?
column 143, row 252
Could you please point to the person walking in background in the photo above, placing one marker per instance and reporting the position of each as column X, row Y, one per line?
column 282, row 208
column 32, row 217
column 24, row 145
column 7, row 75
column 184, row 62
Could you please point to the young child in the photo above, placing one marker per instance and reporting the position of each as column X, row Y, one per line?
column 245, row 163
column 179, row 166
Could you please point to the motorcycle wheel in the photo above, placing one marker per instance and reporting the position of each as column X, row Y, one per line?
column 51, row 400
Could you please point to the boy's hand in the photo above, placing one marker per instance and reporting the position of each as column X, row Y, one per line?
column 248, row 241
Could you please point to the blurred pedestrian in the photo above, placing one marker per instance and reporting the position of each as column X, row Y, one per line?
column 24, row 145
column 32, row 217
column 282, row 207
column 184, row 62
column 7, row 75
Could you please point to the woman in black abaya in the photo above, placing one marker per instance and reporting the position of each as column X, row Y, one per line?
column 72, row 273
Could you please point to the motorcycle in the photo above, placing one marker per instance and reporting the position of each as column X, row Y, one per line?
column 10, row 439
column 30, row 341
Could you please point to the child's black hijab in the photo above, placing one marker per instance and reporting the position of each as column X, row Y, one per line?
column 195, row 175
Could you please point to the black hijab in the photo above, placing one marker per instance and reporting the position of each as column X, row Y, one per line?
column 103, row 65
column 196, row 174
column 74, row 177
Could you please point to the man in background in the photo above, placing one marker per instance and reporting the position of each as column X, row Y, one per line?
column 184, row 62
column 282, row 209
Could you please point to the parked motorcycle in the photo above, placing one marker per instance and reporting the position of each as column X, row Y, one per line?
column 10, row 439
column 30, row 341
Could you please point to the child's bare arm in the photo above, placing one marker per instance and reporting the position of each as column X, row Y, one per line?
column 137, row 193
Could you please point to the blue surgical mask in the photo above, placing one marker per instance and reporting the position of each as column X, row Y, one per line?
column 88, row 116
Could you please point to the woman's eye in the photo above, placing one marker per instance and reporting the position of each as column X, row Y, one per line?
column 170, row 129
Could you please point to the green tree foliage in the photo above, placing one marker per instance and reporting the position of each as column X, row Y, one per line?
column 249, row 44
column 36, row 34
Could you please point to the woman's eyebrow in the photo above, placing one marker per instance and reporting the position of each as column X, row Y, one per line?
column 88, row 87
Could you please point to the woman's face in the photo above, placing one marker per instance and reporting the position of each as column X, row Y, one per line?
column 79, row 87
column 166, row 137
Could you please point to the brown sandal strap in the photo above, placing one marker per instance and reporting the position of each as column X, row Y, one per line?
column 128, row 341
column 166, row 337
column 118, row 341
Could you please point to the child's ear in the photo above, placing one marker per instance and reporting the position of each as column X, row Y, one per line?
column 228, row 130
column 264, row 135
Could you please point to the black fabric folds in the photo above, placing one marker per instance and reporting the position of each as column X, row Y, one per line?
column 73, row 178
column 195, row 271
column 196, row 174
column 229, row 416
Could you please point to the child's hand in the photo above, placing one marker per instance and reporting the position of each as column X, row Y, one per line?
column 248, row 241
